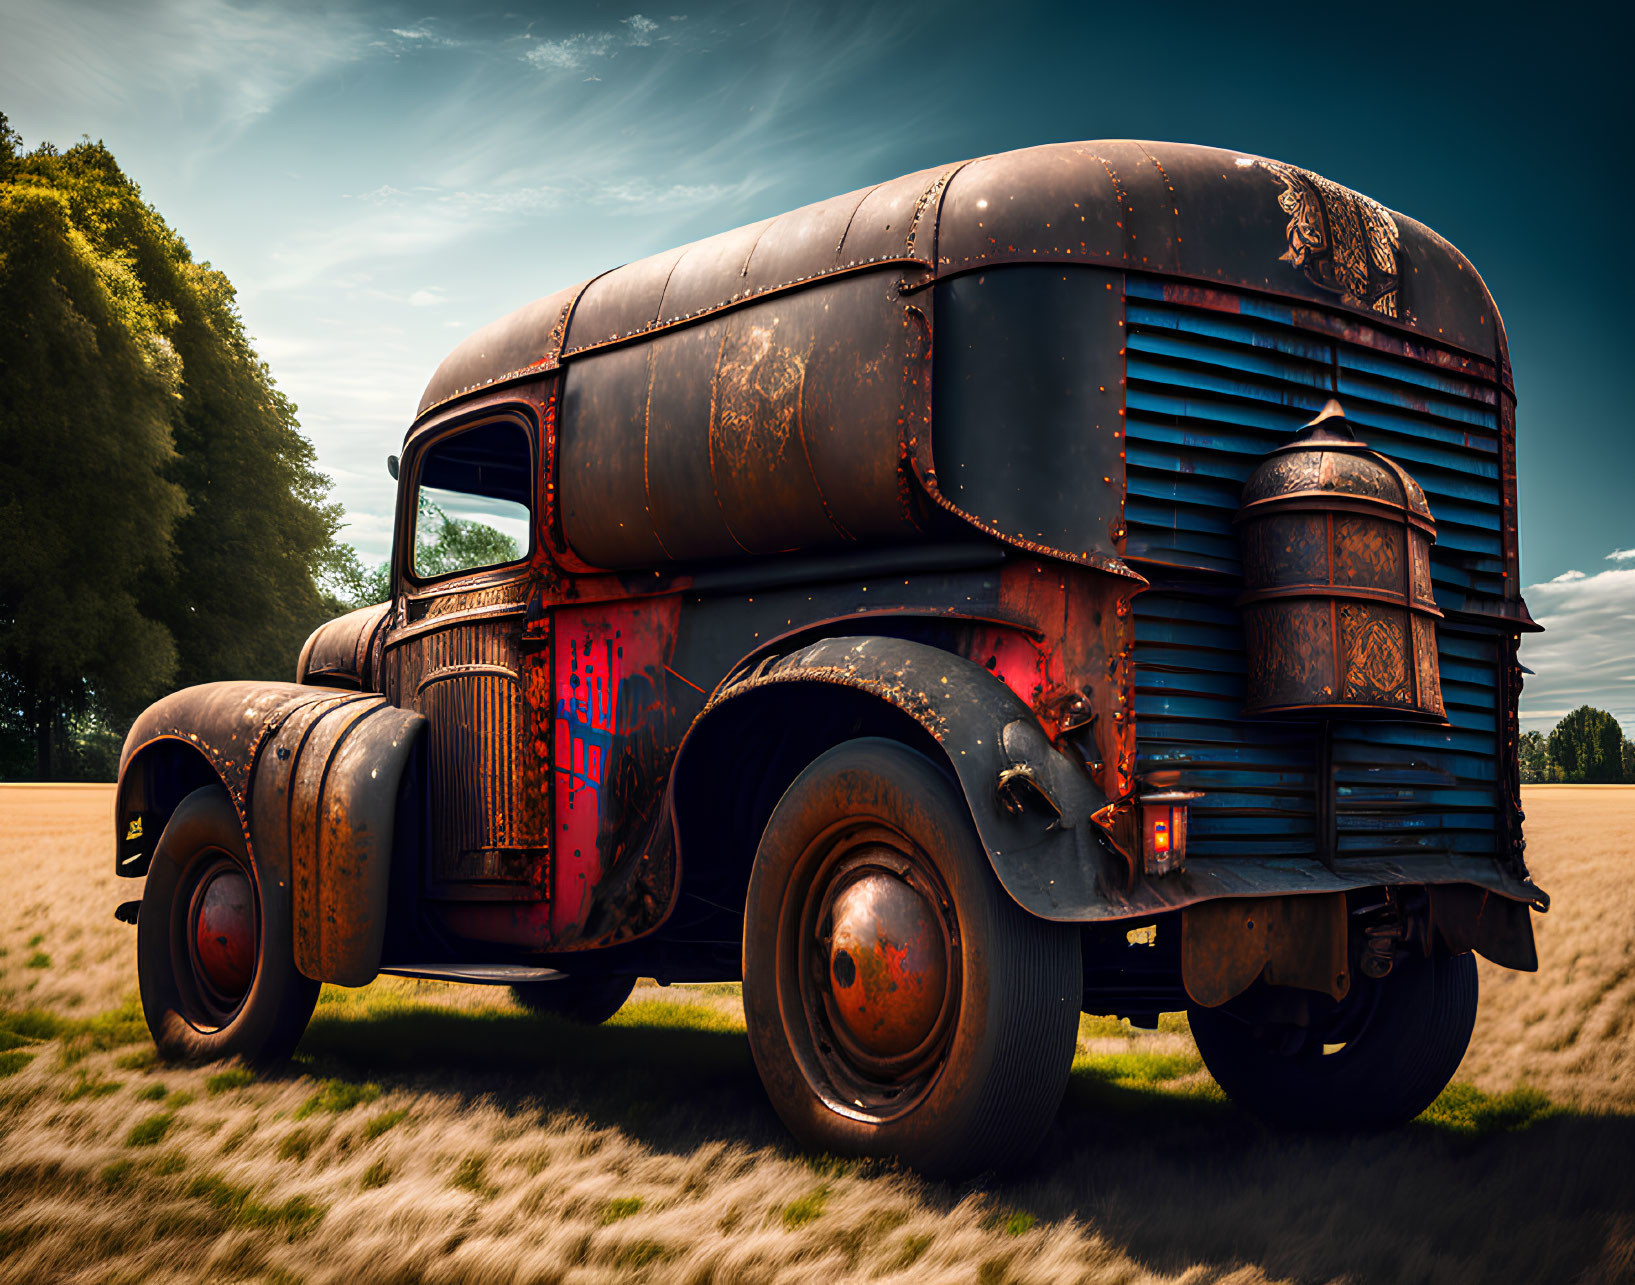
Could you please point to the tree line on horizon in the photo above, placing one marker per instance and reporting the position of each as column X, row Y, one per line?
column 162, row 518
column 1587, row 747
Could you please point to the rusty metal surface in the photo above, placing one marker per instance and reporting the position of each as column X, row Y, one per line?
column 525, row 342
column 1338, row 612
column 1291, row 941
column 1049, row 858
column 313, row 774
column 345, row 651
column 771, row 429
column 1215, row 216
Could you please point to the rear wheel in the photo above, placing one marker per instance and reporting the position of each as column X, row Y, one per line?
column 214, row 961
column 1375, row 1060
column 898, row 1002
column 590, row 1001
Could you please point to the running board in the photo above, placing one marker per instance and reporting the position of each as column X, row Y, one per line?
column 480, row 974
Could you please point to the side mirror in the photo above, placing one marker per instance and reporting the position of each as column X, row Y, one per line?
column 391, row 466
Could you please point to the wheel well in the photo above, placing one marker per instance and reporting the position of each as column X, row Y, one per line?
column 152, row 784
column 736, row 766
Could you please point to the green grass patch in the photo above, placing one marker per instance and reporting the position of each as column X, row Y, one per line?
column 383, row 1123
column 118, row 1173
column 139, row 1060
column 152, row 1092
column 35, row 940
column 623, row 1207
column 913, row 1247
column 298, row 1145
column 1019, row 1221
column 376, row 1175
column 86, row 1086
column 294, row 1217
column 172, row 1162
column 105, row 1031
column 809, row 1208
column 667, row 1015
column 1137, row 1070
column 639, row 1255
column 13, row 1061
column 469, row 1177
column 39, row 959
column 151, row 1132
column 179, row 1099
column 1463, row 1108
column 234, row 1077
column 336, row 1096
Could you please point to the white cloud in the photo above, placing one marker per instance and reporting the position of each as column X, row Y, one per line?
column 428, row 297
column 1621, row 555
column 1584, row 656
column 573, row 53
column 641, row 29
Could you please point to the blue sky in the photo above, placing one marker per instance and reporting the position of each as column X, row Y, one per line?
column 380, row 178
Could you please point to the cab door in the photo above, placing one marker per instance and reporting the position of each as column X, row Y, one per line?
column 465, row 654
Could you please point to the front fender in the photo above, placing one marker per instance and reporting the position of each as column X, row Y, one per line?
column 1032, row 805
column 314, row 775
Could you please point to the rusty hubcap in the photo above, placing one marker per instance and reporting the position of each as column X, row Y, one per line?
column 223, row 933
column 878, row 971
column 888, row 966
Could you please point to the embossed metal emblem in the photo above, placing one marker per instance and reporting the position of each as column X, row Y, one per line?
column 1343, row 241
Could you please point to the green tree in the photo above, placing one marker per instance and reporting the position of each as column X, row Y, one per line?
column 1534, row 757
column 239, row 596
column 1629, row 761
column 162, row 520
column 1588, row 746
column 88, row 385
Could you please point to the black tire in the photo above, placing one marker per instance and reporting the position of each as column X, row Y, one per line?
column 952, row 1076
column 1402, row 1037
column 256, row 1004
column 589, row 1001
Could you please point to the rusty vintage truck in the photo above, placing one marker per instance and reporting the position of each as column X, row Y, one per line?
column 1081, row 579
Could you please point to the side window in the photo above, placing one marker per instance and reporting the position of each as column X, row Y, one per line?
column 473, row 501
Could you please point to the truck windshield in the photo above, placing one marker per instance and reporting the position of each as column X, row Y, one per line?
column 472, row 501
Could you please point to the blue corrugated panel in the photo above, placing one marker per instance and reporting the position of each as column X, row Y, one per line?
column 1208, row 394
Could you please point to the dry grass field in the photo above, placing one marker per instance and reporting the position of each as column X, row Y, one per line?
column 433, row 1133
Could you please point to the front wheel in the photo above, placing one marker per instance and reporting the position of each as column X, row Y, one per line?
column 1375, row 1060
column 214, row 959
column 898, row 1002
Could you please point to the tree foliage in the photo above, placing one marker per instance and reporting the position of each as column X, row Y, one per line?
column 1588, row 746
column 1534, row 757
column 161, row 515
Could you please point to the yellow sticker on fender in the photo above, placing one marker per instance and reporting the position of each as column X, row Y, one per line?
column 135, row 830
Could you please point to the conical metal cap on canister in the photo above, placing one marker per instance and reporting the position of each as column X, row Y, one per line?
column 1338, row 614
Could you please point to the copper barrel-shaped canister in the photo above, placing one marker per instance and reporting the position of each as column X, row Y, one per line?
column 1338, row 614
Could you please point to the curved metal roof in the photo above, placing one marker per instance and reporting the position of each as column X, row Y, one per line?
column 1212, row 216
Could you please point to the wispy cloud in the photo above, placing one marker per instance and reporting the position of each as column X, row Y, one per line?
column 578, row 51
column 1586, row 656
column 1621, row 555
column 240, row 59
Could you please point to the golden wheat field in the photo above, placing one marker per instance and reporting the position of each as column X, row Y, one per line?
column 436, row 1133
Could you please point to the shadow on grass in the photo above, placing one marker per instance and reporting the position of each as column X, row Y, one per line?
column 671, row 1075
column 1144, row 1151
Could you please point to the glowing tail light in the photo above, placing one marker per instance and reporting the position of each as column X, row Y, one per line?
column 1164, row 830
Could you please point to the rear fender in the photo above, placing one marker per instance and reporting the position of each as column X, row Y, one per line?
column 314, row 775
column 1031, row 804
